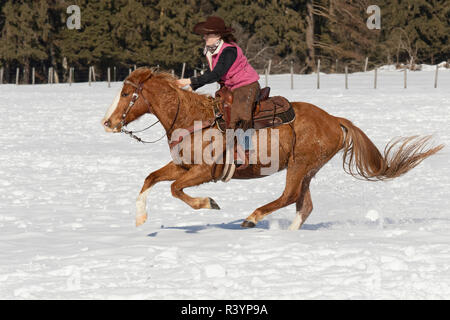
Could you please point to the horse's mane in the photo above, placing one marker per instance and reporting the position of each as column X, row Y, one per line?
column 200, row 101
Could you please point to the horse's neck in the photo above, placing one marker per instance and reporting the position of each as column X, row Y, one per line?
column 186, row 112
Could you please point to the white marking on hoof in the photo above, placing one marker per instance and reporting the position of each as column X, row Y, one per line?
column 296, row 223
column 140, row 220
column 141, row 213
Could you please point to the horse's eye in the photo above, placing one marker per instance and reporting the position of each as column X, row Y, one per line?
column 125, row 94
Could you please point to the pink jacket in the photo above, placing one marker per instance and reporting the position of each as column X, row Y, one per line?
column 240, row 73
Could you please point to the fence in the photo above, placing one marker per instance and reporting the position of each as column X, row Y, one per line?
column 72, row 75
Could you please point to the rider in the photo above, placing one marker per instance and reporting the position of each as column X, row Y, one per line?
column 227, row 64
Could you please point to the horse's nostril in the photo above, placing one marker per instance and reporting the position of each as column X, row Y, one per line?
column 107, row 123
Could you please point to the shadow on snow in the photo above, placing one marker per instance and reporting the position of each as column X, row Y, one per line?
column 283, row 224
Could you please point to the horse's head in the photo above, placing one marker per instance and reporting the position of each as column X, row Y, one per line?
column 130, row 103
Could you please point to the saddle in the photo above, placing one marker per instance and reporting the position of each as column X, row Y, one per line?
column 268, row 112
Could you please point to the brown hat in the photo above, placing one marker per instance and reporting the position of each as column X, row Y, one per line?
column 212, row 25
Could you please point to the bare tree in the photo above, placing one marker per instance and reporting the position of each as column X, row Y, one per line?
column 310, row 52
column 347, row 37
column 256, row 51
column 404, row 43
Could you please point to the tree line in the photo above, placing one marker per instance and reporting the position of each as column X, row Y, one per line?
column 124, row 33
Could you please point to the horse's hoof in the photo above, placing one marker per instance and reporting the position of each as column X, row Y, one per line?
column 213, row 204
column 248, row 224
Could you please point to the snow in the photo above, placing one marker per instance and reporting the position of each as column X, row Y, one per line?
column 68, row 191
column 373, row 215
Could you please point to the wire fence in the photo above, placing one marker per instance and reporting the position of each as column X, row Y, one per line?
column 69, row 75
column 88, row 74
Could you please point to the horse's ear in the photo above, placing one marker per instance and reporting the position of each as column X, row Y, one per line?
column 144, row 74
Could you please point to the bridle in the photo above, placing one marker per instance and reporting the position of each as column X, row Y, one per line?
column 137, row 93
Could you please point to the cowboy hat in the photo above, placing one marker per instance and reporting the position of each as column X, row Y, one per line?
column 212, row 25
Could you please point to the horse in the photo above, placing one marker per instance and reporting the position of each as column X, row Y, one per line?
column 304, row 146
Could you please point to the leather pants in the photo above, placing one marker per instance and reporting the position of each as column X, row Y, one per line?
column 242, row 108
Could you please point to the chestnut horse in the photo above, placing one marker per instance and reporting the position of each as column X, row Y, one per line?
column 317, row 138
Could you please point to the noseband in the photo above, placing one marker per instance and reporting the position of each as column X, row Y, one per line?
column 137, row 93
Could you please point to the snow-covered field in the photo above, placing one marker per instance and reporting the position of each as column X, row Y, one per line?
column 68, row 191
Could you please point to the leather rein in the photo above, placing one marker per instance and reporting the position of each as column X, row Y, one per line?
column 137, row 93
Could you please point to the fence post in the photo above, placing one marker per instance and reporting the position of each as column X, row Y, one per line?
column 346, row 77
column 337, row 66
column 365, row 66
column 17, row 76
column 182, row 70
column 115, row 74
column 93, row 74
column 436, row 76
column 90, row 75
column 375, row 79
column 270, row 66
column 173, row 73
column 267, row 77
column 129, row 71
column 195, row 72
column 135, row 67
column 318, row 74
column 70, row 76
column 109, row 77
column 292, row 75
column 50, row 75
column 33, row 76
column 2, row 71
column 405, row 80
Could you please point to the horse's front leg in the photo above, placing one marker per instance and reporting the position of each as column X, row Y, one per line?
column 195, row 176
column 169, row 172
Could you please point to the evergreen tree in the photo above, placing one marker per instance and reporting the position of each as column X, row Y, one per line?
column 343, row 33
column 418, row 30
column 131, row 31
column 94, row 43
column 268, row 30
column 172, row 39
column 25, row 34
column 33, row 33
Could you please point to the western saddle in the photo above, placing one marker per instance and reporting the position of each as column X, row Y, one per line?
column 267, row 112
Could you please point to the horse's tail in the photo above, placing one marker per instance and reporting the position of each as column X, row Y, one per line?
column 363, row 159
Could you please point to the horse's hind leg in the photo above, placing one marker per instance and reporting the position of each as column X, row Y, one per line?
column 193, row 177
column 294, row 178
column 304, row 206
column 169, row 172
